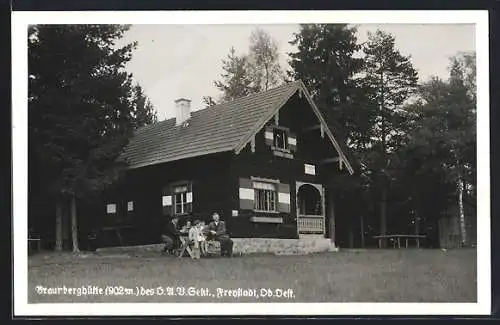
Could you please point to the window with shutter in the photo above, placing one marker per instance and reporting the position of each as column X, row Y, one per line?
column 182, row 198
column 261, row 196
column 281, row 140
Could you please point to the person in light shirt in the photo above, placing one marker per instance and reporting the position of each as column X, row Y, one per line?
column 193, row 236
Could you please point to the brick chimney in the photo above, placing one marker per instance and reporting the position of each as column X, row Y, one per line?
column 182, row 110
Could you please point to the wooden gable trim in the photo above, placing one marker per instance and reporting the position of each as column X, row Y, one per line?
column 325, row 127
column 262, row 122
column 265, row 119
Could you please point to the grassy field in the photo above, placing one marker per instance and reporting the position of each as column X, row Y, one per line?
column 345, row 276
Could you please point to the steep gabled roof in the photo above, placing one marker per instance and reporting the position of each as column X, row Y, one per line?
column 220, row 128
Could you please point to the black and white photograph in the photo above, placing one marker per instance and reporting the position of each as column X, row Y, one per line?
column 326, row 164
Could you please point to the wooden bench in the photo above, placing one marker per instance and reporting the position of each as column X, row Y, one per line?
column 213, row 248
column 34, row 239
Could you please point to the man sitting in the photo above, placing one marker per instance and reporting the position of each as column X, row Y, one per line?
column 217, row 231
column 170, row 237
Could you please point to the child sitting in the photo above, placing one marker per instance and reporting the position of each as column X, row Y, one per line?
column 201, row 238
column 193, row 240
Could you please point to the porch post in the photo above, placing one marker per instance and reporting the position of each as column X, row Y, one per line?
column 331, row 216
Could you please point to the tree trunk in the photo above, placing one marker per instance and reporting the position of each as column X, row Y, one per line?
column 463, row 230
column 59, row 240
column 383, row 217
column 74, row 227
column 362, row 233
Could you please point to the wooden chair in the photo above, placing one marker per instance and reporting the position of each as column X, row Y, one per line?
column 34, row 239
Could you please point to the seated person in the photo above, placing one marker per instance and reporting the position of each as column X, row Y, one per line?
column 186, row 227
column 217, row 231
column 170, row 236
column 193, row 240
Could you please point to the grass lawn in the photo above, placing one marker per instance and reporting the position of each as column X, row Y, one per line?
column 345, row 276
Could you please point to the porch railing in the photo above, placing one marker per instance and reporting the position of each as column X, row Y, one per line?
column 311, row 224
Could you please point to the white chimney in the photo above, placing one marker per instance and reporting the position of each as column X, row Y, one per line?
column 182, row 110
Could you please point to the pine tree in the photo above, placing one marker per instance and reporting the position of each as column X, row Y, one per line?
column 236, row 80
column 389, row 80
column 80, row 111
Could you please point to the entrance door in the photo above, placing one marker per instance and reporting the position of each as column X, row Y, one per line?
column 310, row 208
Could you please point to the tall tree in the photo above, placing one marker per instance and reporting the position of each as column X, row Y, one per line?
column 263, row 57
column 80, row 110
column 326, row 63
column 144, row 112
column 209, row 101
column 390, row 80
column 448, row 125
column 236, row 80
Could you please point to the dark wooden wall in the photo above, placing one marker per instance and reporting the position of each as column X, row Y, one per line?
column 263, row 163
column 210, row 187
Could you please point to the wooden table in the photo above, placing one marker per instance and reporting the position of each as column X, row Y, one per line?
column 185, row 246
column 117, row 230
column 397, row 238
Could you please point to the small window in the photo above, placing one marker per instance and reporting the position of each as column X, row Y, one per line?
column 181, row 199
column 264, row 197
column 110, row 208
column 280, row 139
column 130, row 206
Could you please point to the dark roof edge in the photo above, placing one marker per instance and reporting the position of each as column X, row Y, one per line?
column 162, row 161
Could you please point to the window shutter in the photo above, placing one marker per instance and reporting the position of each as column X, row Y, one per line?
column 269, row 136
column 283, row 198
column 189, row 198
column 129, row 209
column 292, row 142
column 167, row 200
column 246, row 194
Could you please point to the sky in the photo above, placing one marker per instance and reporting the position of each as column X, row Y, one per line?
column 174, row 61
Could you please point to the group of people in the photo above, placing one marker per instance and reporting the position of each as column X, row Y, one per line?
column 198, row 234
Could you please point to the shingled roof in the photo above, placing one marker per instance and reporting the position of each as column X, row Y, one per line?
column 219, row 128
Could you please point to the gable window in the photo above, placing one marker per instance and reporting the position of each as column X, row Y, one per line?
column 181, row 199
column 280, row 139
column 264, row 197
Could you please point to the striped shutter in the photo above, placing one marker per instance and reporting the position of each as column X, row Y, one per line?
column 283, row 197
column 246, row 194
column 167, row 200
column 292, row 142
column 269, row 136
column 189, row 198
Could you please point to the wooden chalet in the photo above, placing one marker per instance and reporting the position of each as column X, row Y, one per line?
column 263, row 162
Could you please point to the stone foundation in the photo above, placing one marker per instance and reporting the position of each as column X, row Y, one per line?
column 244, row 246
column 302, row 245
